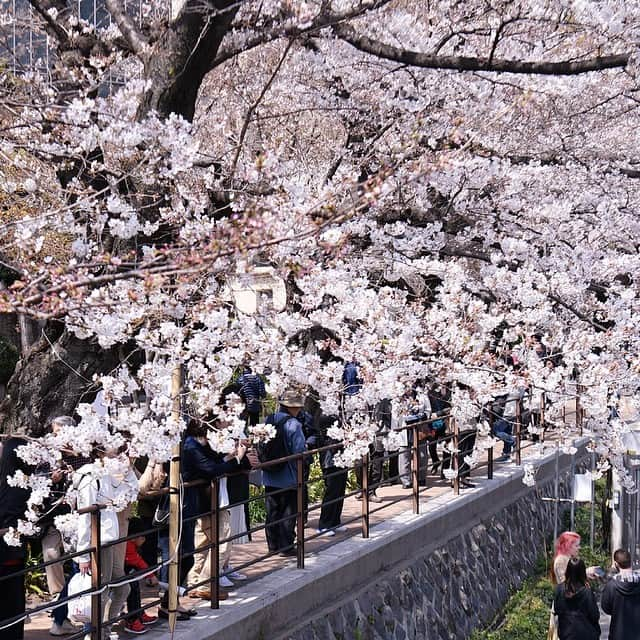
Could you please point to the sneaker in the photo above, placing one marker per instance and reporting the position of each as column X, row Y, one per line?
column 329, row 533
column 374, row 498
column 204, row 594
column 146, row 619
column 341, row 529
column 503, row 458
column 236, row 575
column 135, row 626
column 64, row 629
column 225, row 583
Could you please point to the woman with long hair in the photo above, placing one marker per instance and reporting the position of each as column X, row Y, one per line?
column 575, row 605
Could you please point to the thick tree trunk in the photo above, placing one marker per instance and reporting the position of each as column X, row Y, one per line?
column 55, row 374
column 51, row 379
column 184, row 55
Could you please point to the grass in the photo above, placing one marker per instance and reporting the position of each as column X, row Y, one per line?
column 526, row 615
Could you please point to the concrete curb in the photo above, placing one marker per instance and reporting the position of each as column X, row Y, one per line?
column 285, row 599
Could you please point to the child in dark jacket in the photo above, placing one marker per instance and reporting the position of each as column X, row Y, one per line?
column 138, row 621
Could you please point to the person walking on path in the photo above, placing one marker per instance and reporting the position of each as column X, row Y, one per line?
column 575, row 605
column 621, row 599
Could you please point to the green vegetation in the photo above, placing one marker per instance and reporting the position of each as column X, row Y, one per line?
column 35, row 582
column 526, row 615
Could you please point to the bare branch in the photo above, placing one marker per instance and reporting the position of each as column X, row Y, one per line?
column 52, row 26
column 465, row 63
column 127, row 26
column 254, row 106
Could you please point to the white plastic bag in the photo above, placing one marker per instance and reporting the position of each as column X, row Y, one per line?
column 80, row 608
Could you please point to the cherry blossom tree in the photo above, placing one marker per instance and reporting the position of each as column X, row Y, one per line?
column 435, row 181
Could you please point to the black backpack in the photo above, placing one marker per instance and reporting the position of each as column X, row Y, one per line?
column 276, row 447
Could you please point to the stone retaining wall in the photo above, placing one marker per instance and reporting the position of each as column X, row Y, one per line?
column 447, row 592
column 436, row 575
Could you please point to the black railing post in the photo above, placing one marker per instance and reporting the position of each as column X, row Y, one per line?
column 214, row 552
column 96, row 581
column 415, row 469
column 454, row 455
column 518, row 433
column 300, row 514
column 490, row 449
column 365, row 495
column 579, row 424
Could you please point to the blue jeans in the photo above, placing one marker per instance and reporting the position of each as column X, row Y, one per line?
column 60, row 613
column 502, row 429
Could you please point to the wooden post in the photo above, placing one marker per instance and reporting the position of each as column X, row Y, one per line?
column 300, row 513
column 175, row 511
column 96, row 582
column 541, row 425
column 365, row 495
column 415, row 469
column 214, row 552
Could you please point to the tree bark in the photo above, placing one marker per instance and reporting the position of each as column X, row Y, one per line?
column 179, row 60
column 51, row 379
column 466, row 63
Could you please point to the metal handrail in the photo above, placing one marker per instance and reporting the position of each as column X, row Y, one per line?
column 214, row 534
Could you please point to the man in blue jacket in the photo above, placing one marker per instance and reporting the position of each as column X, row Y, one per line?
column 280, row 484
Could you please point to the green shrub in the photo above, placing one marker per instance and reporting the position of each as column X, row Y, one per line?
column 257, row 510
column 35, row 581
column 526, row 615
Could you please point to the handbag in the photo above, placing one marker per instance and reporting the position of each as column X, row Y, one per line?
column 161, row 514
column 552, row 632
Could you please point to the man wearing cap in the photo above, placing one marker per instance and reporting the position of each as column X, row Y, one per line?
column 283, row 504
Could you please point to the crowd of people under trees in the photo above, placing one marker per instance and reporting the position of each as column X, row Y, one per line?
column 88, row 479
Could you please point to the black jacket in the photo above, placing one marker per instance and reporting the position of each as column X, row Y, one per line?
column 578, row 615
column 13, row 500
column 621, row 600
column 199, row 462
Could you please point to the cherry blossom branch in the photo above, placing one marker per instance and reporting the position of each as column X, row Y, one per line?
column 323, row 21
column 253, row 107
column 466, row 63
column 576, row 312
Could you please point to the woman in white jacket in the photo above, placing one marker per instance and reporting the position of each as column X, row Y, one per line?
column 108, row 481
